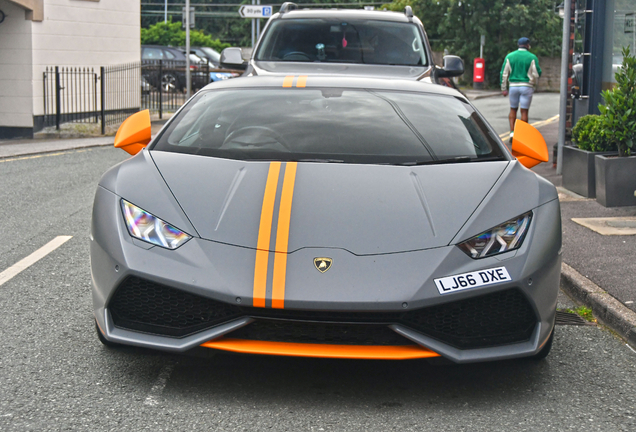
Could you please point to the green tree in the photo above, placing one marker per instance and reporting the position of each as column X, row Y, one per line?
column 172, row 34
column 220, row 18
column 457, row 25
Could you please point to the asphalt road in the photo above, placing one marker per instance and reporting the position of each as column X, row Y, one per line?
column 55, row 375
column 497, row 108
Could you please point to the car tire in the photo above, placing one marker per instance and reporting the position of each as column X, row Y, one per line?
column 546, row 348
column 169, row 83
column 103, row 340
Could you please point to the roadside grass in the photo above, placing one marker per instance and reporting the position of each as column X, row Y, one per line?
column 583, row 312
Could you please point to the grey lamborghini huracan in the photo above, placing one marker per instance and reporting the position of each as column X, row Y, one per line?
column 329, row 217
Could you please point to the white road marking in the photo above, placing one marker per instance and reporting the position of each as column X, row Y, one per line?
column 41, row 155
column 160, row 384
column 630, row 348
column 36, row 256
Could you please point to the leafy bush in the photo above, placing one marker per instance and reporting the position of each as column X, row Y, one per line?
column 588, row 134
column 171, row 34
column 618, row 115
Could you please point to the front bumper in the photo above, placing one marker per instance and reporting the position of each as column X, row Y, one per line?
column 380, row 286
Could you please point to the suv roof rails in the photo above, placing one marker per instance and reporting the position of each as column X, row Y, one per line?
column 408, row 11
column 288, row 6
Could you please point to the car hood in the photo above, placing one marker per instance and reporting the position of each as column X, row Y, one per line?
column 330, row 69
column 365, row 209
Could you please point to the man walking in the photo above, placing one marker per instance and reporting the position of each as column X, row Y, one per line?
column 521, row 69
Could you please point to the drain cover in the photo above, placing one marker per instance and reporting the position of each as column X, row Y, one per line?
column 568, row 318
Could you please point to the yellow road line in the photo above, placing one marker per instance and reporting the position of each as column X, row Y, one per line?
column 506, row 135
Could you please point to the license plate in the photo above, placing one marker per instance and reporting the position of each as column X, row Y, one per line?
column 474, row 279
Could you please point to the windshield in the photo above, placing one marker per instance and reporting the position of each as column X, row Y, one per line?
column 332, row 125
column 212, row 55
column 337, row 41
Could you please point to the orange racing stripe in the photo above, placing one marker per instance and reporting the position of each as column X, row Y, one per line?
column 288, row 81
column 301, row 81
column 282, row 236
column 264, row 234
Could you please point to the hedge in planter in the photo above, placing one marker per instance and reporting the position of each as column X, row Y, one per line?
column 578, row 162
column 616, row 177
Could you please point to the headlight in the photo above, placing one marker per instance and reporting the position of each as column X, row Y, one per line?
column 146, row 227
column 502, row 238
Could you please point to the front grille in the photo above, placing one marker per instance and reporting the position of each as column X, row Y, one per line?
column 493, row 319
column 150, row 307
column 319, row 333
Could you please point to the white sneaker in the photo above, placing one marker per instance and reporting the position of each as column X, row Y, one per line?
column 511, row 134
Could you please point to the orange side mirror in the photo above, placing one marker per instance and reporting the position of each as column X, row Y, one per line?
column 528, row 145
column 134, row 133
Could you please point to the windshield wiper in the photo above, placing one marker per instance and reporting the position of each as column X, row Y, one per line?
column 317, row 160
column 458, row 159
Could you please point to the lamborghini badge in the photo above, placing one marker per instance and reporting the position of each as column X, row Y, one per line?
column 322, row 264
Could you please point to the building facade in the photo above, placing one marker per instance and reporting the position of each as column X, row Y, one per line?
column 36, row 34
column 602, row 28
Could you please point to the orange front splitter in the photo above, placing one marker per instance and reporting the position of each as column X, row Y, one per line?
column 405, row 352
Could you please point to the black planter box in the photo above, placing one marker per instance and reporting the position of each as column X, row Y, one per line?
column 615, row 181
column 579, row 171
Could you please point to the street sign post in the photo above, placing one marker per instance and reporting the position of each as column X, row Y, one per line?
column 255, row 11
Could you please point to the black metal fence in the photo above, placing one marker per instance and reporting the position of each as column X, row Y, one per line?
column 108, row 96
column 164, row 84
column 120, row 95
column 70, row 95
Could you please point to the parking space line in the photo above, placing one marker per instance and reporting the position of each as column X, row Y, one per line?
column 36, row 256
column 157, row 389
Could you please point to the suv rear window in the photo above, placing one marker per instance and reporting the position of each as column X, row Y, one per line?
column 338, row 41
column 334, row 125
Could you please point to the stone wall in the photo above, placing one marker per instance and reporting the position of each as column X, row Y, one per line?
column 550, row 71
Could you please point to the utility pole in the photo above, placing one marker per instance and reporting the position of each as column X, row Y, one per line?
column 253, row 27
column 187, row 26
column 258, row 25
column 565, row 54
column 165, row 11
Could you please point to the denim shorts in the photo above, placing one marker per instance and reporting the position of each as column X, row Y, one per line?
column 520, row 95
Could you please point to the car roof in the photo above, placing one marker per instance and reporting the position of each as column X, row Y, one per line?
column 162, row 46
column 345, row 14
column 321, row 81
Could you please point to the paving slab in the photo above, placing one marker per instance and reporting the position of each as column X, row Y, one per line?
column 15, row 148
column 609, row 225
column 604, row 261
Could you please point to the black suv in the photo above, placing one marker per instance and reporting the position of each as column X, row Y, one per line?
column 351, row 42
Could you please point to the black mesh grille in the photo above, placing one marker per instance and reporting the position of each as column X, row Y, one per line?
column 147, row 306
column 493, row 319
column 319, row 333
